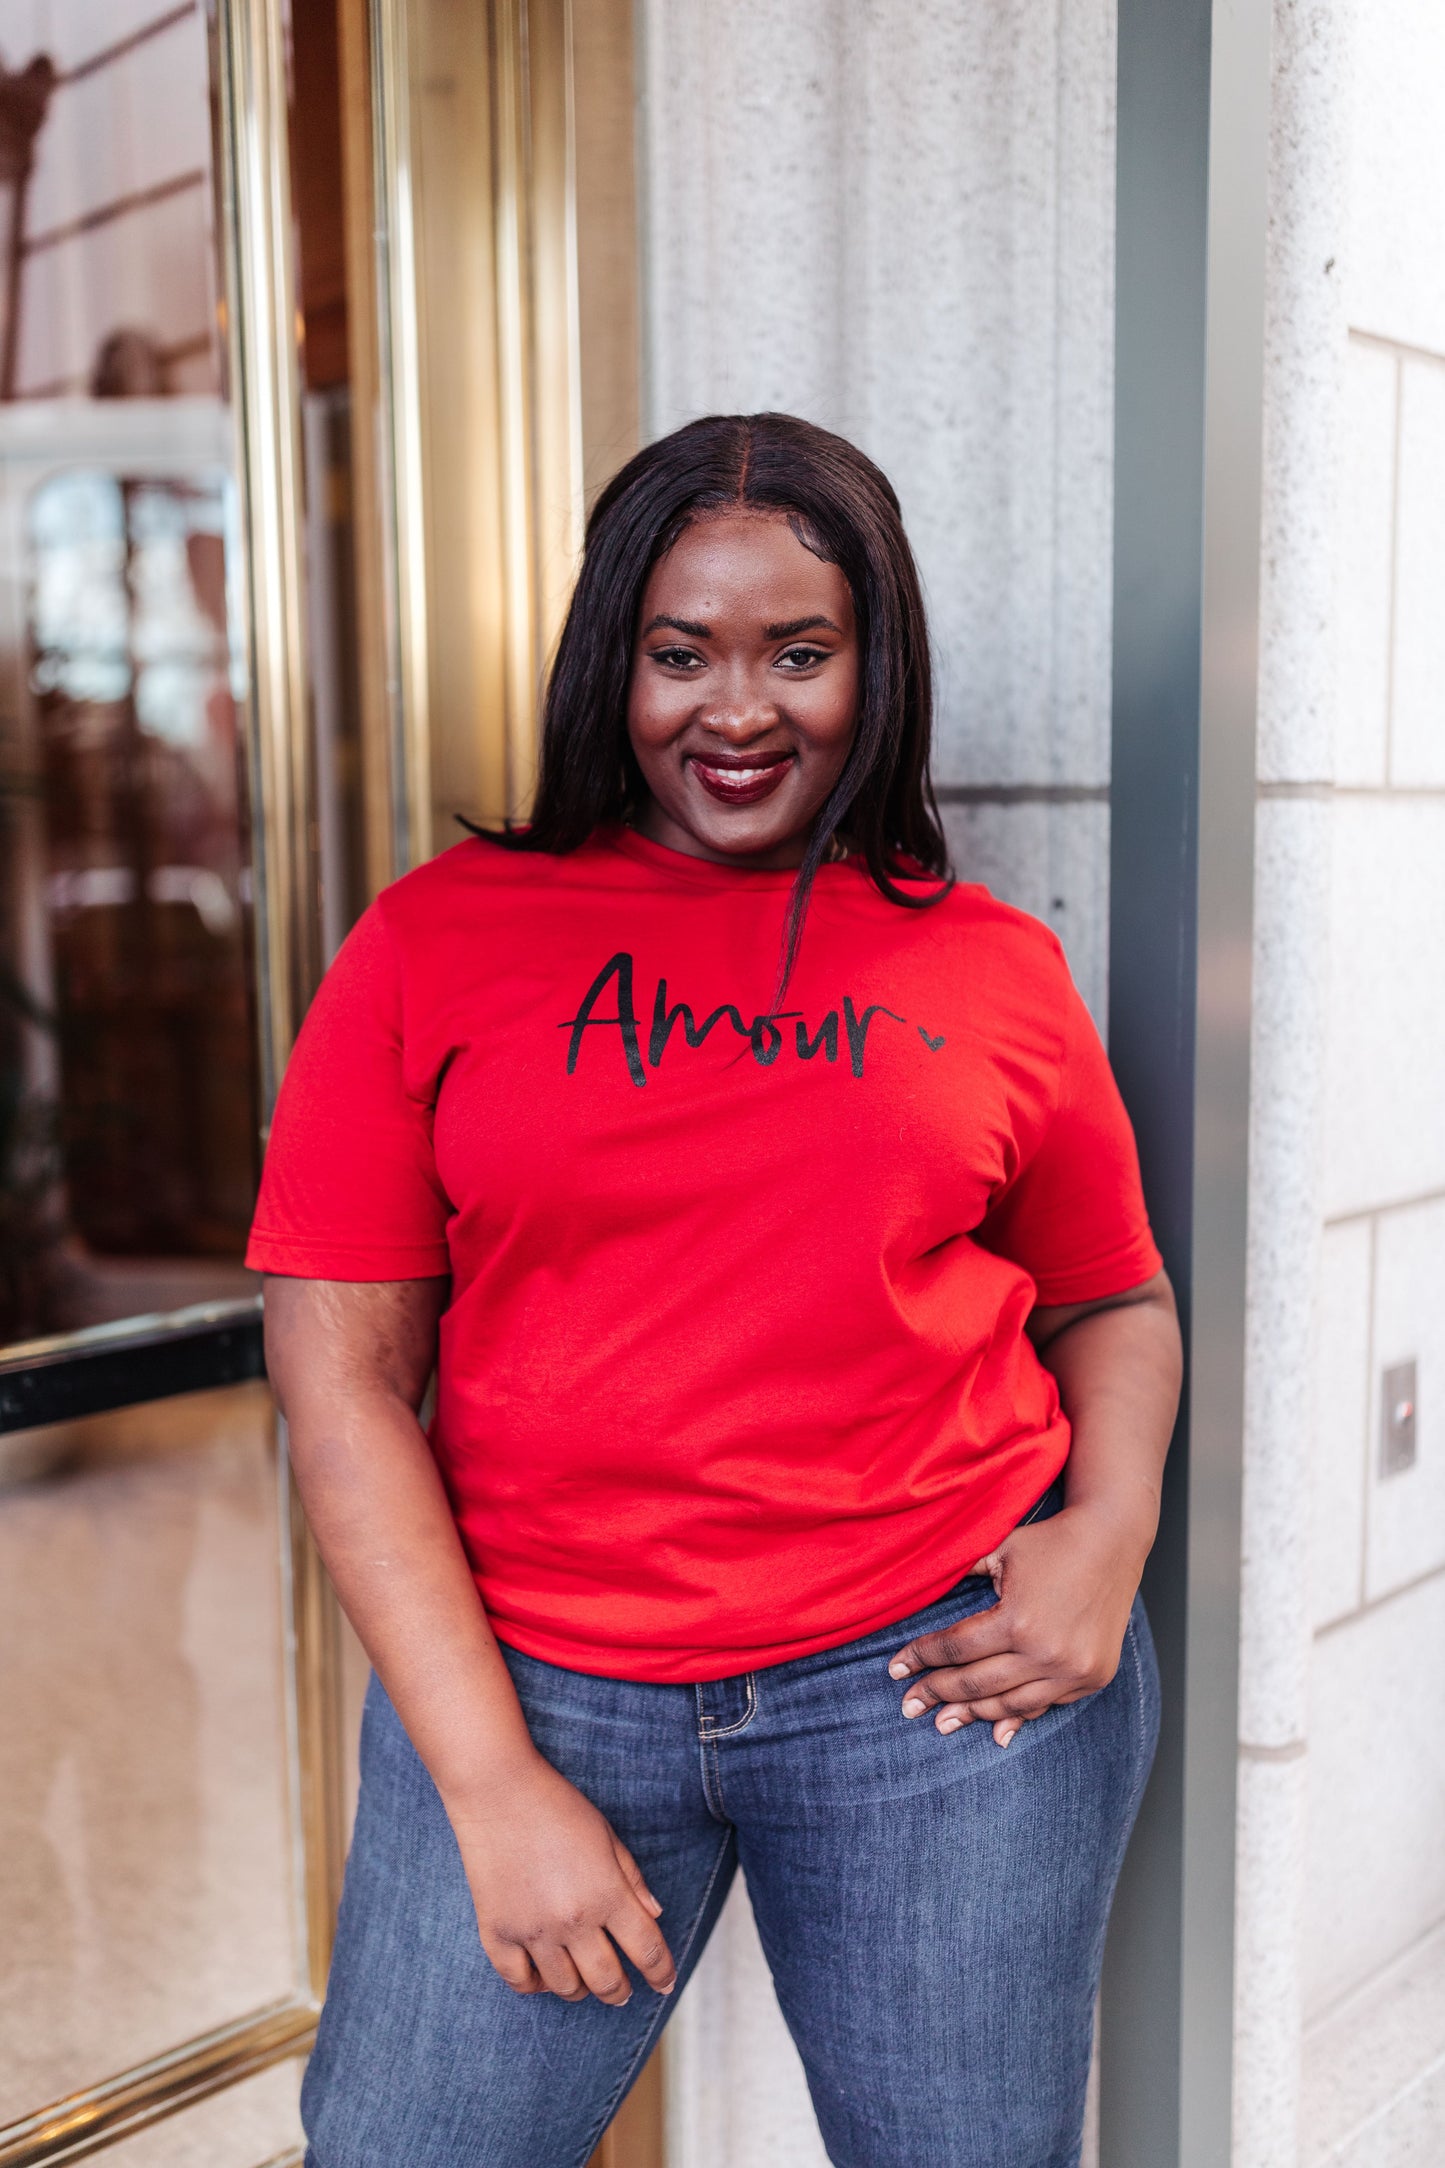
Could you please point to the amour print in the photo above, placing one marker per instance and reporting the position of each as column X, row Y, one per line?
column 763, row 1033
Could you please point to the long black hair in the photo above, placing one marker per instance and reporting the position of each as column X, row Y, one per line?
column 844, row 509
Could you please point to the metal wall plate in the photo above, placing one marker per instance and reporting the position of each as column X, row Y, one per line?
column 1398, row 1407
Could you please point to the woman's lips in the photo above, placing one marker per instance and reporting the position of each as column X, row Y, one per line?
column 742, row 782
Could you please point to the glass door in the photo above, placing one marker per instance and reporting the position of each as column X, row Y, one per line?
column 186, row 831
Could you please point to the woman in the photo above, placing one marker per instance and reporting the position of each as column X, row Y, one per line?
column 766, row 1209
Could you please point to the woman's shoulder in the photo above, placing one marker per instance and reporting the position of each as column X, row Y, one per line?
column 467, row 876
column 971, row 911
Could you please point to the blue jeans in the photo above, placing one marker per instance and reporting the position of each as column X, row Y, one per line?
column 933, row 1910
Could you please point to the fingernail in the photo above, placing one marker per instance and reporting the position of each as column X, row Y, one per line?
column 898, row 1669
column 914, row 1708
column 1009, row 1737
column 653, row 1902
column 950, row 1723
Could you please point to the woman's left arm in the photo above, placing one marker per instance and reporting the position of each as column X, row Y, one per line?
column 1066, row 1585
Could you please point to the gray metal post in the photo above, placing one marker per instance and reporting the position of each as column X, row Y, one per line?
column 1192, row 205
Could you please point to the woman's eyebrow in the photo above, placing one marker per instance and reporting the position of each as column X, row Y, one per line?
column 795, row 625
column 679, row 624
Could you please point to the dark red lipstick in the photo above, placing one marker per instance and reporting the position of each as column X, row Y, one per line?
column 740, row 778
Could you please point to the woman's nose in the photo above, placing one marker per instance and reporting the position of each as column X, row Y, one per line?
column 742, row 707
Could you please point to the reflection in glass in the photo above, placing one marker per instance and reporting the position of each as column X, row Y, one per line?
column 129, row 1113
column 144, row 888
column 128, row 1109
column 145, row 1861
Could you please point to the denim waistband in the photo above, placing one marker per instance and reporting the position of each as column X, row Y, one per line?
column 1044, row 1509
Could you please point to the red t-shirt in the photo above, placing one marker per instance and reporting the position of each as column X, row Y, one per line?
column 734, row 1366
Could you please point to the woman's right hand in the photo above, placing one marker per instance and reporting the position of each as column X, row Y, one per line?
column 557, row 1895
column 552, row 1882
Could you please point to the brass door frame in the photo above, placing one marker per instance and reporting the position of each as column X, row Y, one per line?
column 261, row 303
column 248, row 58
column 261, row 306
column 540, row 410
column 402, row 481
column 74, row 2128
column 489, row 456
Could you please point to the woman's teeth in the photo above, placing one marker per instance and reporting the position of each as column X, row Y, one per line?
column 742, row 785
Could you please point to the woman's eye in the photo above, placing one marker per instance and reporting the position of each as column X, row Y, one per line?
column 676, row 658
column 803, row 658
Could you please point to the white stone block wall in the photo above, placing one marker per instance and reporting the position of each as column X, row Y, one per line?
column 896, row 218
column 1341, row 1970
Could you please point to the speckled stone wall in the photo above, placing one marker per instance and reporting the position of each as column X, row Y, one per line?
column 896, row 218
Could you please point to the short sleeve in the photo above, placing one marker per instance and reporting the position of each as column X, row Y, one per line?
column 349, row 1189
column 1073, row 1216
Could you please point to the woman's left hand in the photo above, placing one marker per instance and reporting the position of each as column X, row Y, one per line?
column 1065, row 1589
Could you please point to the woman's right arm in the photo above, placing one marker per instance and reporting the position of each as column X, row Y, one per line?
column 349, row 1363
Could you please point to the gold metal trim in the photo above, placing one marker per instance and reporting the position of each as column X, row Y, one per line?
column 515, row 401
column 251, row 55
column 539, row 377
column 72, row 2129
column 358, row 171
column 605, row 213
column 313, row 1633
column 481, row 388
column 262, row 285
column 400, row 326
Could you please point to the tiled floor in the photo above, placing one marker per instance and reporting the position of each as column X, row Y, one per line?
column 1374, row 2070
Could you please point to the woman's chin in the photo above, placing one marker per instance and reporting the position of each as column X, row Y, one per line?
column 766, row 836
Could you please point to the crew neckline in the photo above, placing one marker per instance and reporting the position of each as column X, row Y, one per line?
column 704, row 872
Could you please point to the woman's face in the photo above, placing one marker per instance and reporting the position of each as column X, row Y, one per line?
column 744, row 693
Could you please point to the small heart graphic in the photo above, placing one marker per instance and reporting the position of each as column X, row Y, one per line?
column 929, row 1041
